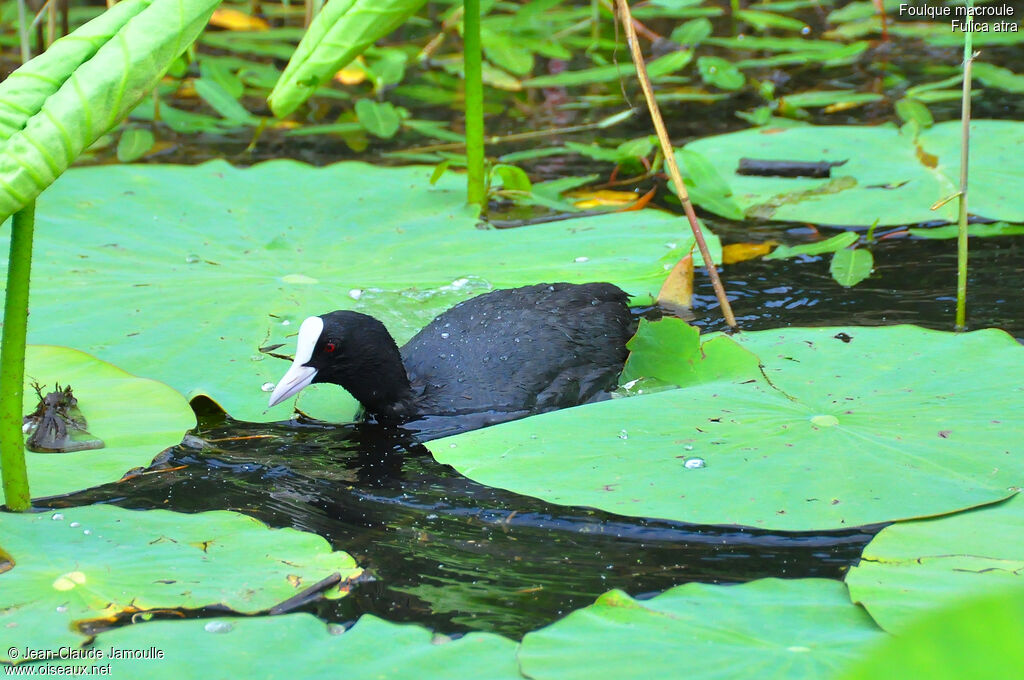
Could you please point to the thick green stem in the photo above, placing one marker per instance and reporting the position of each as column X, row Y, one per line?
column 12, row 361
column 476, row 189
column 965, row 137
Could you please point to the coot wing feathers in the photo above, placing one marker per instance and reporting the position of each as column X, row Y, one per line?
column 525, row 350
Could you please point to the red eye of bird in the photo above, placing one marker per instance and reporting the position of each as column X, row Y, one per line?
column 330, row 347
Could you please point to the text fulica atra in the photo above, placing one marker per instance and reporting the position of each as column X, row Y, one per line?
column 496, row 357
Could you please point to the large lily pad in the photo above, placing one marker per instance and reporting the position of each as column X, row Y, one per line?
column 274, row 647
column 843, row 427
column 182, row 273
column 976, row 638
column 913, row 567
column 915, row 174
column 101, row 561
column 135, row 417
column 764, row 629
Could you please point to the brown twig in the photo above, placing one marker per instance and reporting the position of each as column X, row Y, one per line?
column 670, row 160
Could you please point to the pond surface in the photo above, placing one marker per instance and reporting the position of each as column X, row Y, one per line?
column 454, row 555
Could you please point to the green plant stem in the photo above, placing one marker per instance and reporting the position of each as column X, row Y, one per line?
column 965, row 138
column 12, row 360
column 476, row 189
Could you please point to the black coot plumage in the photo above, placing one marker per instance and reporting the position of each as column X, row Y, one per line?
column 493, row 358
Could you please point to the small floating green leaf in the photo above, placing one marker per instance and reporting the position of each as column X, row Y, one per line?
column 829, row 245
column 850, row 267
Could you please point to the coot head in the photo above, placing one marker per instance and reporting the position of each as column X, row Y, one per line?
column 355, row 351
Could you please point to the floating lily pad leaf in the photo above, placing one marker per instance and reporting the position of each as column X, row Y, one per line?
column 844, row 427
column 275, row 646
column 987, row 229
column 829, row 245
column 914, row 176
column 101, row 561
column 769, row 628
column 56, row 105
column 254, row 251
column 977, row 638
column 690, row 362
column 850, row 267
column 911, row 567
column 135, row 417
column 339, row 33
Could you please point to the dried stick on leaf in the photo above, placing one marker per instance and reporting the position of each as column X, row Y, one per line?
column 626, row 19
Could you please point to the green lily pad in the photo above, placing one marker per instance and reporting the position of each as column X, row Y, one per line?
column 275, row 646
column 770, row 628
column 135, row 417
column 915, row 175
column 842, row 427
column 244, row 255
column 912, row 567
column 977, row 638
column 100, row 561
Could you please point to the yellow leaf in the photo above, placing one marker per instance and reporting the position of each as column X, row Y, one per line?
column 234, row 20
column 603, row 198
column 739, row 252
column 353, row 74
column 677, row 290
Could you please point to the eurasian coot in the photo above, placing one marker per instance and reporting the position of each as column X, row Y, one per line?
column 496, row 357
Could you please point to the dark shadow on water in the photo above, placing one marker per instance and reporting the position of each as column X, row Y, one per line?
column 442, row 550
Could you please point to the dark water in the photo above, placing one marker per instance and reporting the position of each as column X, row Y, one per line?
column 454, row 555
